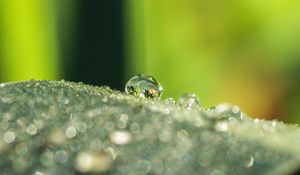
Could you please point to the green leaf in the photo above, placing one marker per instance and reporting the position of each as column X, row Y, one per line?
column 57, row 127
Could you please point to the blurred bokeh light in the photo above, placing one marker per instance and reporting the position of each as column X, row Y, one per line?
column 242, row 52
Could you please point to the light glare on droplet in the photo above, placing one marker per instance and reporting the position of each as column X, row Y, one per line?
column 235, row 109
column 71, row 132
column 31, row 129
column 38, row 173
column 88, row 162
column 256, row 121
column 221, row 126
column 120, row 137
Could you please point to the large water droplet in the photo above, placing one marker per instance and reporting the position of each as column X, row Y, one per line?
column 144, row 86
column 188, row 100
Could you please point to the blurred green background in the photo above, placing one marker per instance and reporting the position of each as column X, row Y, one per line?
column 238, row 51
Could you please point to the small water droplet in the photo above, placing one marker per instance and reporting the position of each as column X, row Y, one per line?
column 221, row 126
column 81, row 127
column 143, row 166
column 256, row 120
column 112, row 154
column 66, row 101
column 135, row 128
column 188, row 100
column 9, row 137
column 182, row 134
column 124, row 118
column 120, row 137
column 144, row 86
column 104, row 99
column 106, row 87
column 236, row 110
column 21, row 149
column 71, row 132
column 47, row 158
column 109, row 125
column 56, row 137
column 232, row 121
column 31, row 129
column 170, row 100
column 226, row 110
column 61, row 156
column 92, row 162
column 4, row 124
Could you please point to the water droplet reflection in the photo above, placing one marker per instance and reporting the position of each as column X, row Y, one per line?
column 144, row 86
